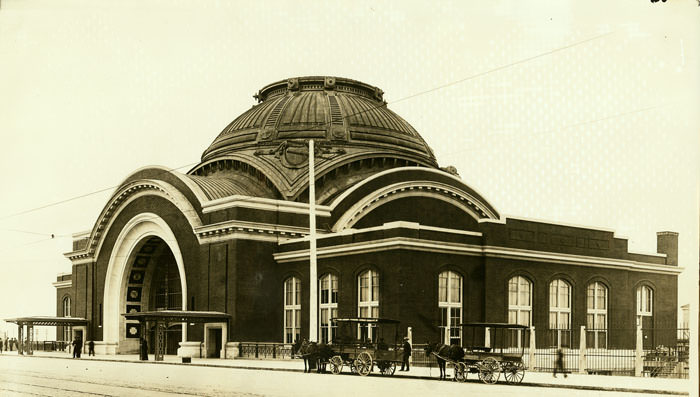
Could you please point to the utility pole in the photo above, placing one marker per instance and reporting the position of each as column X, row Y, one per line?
column 313, row 277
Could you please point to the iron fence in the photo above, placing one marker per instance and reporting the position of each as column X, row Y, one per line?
column 263, row 350
column 670, row 361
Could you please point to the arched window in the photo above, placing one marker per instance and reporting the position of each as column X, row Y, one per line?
column 519, row 307
column 66, row 306
column 66, row 313
column 597, row 315
column 292, row 309
column 367, row 300
column 560, row 313
column 645, row 314
column 328, row 306
column 450, row 305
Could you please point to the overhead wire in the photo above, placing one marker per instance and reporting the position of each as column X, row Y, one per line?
column 371, row 108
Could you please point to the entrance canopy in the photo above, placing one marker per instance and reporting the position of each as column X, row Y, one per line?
column 30, row 322
column 162, row 318
column 178, row 316
column 47, row 320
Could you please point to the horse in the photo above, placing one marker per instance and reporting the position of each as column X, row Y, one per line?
column 318, row 353
column 442, row 351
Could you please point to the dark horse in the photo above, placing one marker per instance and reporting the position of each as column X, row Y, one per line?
column 318, row 353
column 452, row 353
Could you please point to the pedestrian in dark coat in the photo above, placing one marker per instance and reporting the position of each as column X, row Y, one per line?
column 77, row 347
column 143, row 350
column 91, row 348
column 406, row 354
column 560, row 364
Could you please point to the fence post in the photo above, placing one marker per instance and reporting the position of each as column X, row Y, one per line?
column 409, row 334
column 582, row 351
column 638, row 362
column 487, row 337
column 531, row 352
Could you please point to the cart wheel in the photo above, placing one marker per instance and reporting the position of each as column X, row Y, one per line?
column 514, row 372
column 489, row 370
column 460, row 372
column 387, row 367
column 364, row 364
column 336, row 363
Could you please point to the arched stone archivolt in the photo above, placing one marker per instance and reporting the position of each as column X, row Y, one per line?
column 126, row 195
column 436, row 190
column 129, row 243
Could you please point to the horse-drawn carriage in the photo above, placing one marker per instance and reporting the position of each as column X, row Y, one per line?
column 360, row 344
column 495, row 348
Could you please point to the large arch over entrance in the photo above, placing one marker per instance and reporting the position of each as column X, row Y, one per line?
column 145, row 249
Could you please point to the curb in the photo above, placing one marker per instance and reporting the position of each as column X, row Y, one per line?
column 416, row 377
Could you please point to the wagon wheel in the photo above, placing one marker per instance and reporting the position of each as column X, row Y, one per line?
column 489, row 370
column 460, row 372
column 336, row 363
column 387, row 367
column 364, row 363
column 514, row 372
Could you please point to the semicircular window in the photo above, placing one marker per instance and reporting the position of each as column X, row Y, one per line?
column 166, row 288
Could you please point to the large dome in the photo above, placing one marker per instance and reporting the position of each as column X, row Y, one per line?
column 348, row 119
column 341, row 111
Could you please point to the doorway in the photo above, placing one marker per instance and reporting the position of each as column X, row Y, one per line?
column 214, row 343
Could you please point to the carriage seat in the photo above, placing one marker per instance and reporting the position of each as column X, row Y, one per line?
column 485, row 349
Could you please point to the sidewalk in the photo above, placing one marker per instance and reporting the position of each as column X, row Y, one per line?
column 540, row 379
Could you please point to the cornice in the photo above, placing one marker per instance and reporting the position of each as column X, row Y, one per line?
column 474, row 250
column 62, row 284
column 264, row 204
column 249, row 230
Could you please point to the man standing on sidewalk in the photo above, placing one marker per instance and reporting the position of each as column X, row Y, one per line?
column 77, row 347
column 406, row 354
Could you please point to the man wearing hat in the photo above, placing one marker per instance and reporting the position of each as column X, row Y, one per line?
column 406, row 354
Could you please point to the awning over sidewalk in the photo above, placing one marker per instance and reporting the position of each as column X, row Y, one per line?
column 47, row 320
column 31, row 321
column 178, row 316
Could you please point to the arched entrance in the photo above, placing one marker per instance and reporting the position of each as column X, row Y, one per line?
column 145, row 273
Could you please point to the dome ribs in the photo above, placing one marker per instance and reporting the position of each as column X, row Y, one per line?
column 349, row 116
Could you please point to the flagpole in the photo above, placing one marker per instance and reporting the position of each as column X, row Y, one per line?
column 313, row 277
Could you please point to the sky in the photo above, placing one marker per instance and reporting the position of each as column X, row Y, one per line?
column 577, row 112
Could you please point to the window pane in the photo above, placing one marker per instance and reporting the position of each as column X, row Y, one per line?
column 525, row 318
column 553, row 294
column 552, row 320
column 589, row 321
column 601, row 298
column 375, row 286
column 297, row 290
column 455, row 293
column 600, row 321
column 363, row 311
column 375, row 312
column 590, row 295
column 524, row 292
column 442, row 287
column 513, row 291
column 512, row 317
column 564, row 321
column 602, row 343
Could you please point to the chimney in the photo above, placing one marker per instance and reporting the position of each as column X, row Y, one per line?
column 667, row 243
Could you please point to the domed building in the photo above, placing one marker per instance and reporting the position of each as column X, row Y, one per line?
column 397, row 237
